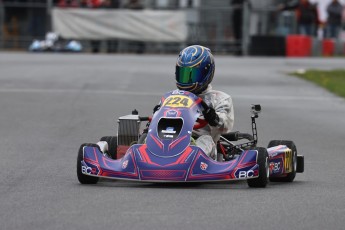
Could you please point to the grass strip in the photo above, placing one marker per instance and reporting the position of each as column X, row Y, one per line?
column 333, row 80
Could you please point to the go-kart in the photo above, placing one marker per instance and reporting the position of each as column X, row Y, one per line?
column 165, row 150
column 54, row 43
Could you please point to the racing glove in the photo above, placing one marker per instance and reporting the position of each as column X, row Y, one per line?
column 211, row 116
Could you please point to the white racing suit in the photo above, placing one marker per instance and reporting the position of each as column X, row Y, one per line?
column 209, row 135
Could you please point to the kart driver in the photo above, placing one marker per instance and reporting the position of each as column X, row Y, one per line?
column 194, row 72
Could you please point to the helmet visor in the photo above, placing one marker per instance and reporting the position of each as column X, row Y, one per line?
column 188, row 75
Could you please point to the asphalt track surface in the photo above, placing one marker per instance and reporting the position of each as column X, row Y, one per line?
column 52, row 103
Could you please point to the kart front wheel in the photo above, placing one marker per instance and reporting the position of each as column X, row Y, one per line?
column 290, row 176
column 112, row 145
column 262, row 180
column 84, row 179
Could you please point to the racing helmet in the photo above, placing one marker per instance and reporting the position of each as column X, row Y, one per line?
column 194, row 69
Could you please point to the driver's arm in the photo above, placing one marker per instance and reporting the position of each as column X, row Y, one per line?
column 225, row 111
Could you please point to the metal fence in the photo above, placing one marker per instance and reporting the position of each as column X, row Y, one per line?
column 225, row 29
column 21, row 21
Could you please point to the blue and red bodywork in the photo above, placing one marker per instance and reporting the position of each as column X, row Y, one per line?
column 168, row 156
column 191, row 165
column 280, row 160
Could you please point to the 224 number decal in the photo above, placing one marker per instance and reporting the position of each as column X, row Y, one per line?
column 288, row 161
column 178, row 101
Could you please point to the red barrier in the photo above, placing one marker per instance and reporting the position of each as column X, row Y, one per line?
column 327, row 47
column 298, row 46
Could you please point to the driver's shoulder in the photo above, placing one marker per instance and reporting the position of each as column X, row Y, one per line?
column 218, row 94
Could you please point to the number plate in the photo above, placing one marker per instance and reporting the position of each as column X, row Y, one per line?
column 178, row 101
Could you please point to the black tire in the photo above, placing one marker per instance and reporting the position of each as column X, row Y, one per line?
column 290, row 176
column 84, row 179
column 262, row 180
column 112, row 145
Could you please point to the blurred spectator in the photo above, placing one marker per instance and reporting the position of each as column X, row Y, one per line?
column 111, row 4
column 334, row 10
column 12, row 18
column 91, row 3
column 101, row 4
column 68, row 3
column 237, row 22
column 134, row 5
column 95, row 44
column 138, row 46
column 307, row 15
column 37, row 23
column 343, row 16
column 342, row 32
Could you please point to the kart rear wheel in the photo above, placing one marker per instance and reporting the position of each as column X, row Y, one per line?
column 112, row 145
column 262, row 180
column 290, row 176
column 84, row 179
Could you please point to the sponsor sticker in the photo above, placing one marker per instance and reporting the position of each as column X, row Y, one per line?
column 171, row 113
column 179, row 92
column 88, row 168
column 203, row 166
column 125, row 164
column 169, row 130
column 275, row 167
column 246, row 174
column 288, row 161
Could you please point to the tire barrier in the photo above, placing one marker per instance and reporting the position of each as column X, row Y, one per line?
column 296, row 46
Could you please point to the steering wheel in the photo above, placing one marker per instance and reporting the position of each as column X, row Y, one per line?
column 200, row 123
